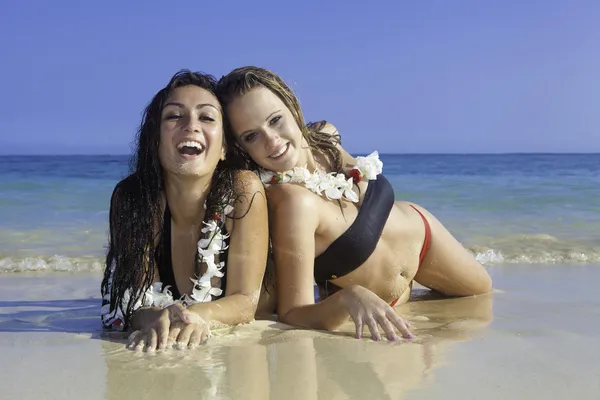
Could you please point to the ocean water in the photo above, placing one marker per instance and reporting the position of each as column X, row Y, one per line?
column 506, row 209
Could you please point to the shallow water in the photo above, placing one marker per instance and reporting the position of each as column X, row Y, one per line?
column 507, row 209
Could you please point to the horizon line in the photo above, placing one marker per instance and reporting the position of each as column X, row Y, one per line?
column 360, row 153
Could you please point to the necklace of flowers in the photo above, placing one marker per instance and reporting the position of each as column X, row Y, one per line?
column 333, row 185
column 156, row 296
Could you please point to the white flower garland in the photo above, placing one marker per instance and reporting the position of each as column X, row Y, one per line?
column 202, row 291
column 333, row 185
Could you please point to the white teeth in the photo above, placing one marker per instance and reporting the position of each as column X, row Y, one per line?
column 190, row 143
column 280, row 152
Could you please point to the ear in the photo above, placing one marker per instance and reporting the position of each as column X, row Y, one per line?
column 223, row 151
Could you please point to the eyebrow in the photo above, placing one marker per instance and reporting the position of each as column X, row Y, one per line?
column 266, row 119
column 180, row 105
column 270, row 115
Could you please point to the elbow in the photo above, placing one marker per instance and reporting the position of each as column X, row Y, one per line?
column 486, row 285
column 248, row 310
column 326, row 326
column 291, row 318
column 287, row 317
column 481, row 287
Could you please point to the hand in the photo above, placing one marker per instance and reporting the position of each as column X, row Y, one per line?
column 168, row 323
column 366, row 308
column 188, row 335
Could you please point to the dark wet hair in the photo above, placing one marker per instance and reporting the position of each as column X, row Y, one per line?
column 240, row 81
column 135, row 211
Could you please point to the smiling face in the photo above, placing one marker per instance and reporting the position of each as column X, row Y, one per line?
column 191, row 132
column 266, row 129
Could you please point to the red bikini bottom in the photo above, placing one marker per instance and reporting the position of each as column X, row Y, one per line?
column 426, row 244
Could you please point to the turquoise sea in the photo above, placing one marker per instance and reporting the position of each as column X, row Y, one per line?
column 507, row 209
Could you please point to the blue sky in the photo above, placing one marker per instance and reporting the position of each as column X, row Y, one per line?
column 397, row 76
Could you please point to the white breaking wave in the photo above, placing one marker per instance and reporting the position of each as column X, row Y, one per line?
column 55, row 263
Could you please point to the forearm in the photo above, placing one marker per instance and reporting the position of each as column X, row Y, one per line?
column 324, row 315
column 230, row 310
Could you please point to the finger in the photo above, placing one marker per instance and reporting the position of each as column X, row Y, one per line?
column 184, row 336
column 133, row 338
column 387, row 326
column 359, row 327
column 373, row 328
column 163, row 336
column 399, row 323
column 152, row 340
column 196, row 337
column 173, row 333
column 140, row 344
column 205, row 336
column 138, row 341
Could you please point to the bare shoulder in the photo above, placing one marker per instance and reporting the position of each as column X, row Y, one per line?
column 294, row 214
column 247, row 182
column 329, row 128
column 324, row 127
column 288, row 197
column 249, row 193
column 347, row 159
column 332, row 130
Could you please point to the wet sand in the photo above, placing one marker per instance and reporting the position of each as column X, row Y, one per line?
column 536, row 336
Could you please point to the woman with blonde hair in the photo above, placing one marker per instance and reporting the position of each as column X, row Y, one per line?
column 333, row 218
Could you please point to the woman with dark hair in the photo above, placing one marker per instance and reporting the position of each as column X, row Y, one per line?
column 188, row 233
column 334, row 219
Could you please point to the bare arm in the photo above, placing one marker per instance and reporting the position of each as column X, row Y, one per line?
column 294, row 221
column 247, row 256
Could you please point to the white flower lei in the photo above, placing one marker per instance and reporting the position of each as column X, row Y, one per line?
column 202, row 291
column 333, row 185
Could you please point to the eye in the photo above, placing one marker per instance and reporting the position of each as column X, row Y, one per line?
column 274, row 120
column 172, row 116
column 249, row 137
column 207, row 118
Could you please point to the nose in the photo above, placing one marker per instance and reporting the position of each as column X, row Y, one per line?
column 191, row 125
column 273, row 140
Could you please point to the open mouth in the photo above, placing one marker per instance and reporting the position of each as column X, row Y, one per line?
column 281, row 152
column 190, row 148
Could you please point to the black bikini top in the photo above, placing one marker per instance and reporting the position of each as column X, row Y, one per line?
column 354, row 247
column 164, row 260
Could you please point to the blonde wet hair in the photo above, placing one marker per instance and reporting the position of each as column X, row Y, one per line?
column 242, row 80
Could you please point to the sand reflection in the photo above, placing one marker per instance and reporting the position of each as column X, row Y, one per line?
column 267, row 360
